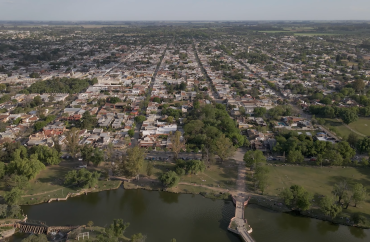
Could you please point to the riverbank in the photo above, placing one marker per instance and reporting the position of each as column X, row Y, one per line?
column 269, row 202
column 63, row 193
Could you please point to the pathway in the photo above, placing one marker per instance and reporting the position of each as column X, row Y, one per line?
column 240, row 199
column 354, row 131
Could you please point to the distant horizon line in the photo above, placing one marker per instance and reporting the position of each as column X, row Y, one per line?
column 287, row 20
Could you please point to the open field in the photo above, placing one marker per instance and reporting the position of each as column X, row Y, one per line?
column 314, row 33
column 340, row 129
column 319, row 181
column 362, row 125
column 216, row 175
column 49, row 184
column 275, row 31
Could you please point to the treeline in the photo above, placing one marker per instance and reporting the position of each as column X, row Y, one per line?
column 24, row 165
column 348, row 115
column 296, row 147
column 342, row 196
column 60, row 85
column 253, row 58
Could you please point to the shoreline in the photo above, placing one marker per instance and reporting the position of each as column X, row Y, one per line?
column 82, row 192
column 259, row 200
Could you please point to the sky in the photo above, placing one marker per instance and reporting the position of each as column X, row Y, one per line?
column 134, row 10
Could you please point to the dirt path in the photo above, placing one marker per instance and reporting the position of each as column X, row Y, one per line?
column 354, row 131
column 41, row 193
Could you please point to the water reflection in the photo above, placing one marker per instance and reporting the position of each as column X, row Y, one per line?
column 358, row 233
column 169, row 198
column 92, row 198
column 324, row 227
column 135, row 200
column 299, row 223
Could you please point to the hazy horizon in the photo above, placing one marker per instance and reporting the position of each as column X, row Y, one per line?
column 190, row 10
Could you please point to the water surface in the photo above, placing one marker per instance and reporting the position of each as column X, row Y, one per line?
column 188, row 218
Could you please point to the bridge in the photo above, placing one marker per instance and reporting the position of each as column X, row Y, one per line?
column 35, row 227
column 239, row 224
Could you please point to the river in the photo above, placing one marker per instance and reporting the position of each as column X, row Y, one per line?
column 188, row 218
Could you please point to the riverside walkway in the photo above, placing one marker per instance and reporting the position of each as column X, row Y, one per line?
column 239, row 224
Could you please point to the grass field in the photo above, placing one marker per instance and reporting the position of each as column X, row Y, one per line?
column 222, row 175
column 319, row 181
column 340, row 129
column 362, row 125
column 49, row 184
column 314, row 34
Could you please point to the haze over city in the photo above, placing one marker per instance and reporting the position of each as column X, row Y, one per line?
column 185, row 121
column 135, row 10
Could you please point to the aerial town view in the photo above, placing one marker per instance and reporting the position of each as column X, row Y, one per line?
column 150, row 125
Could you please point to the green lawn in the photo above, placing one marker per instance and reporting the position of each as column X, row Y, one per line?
column 314, row 34
column 223, row 175
column 339, row 127
column 49, row 184
column 362, row 125
column 319, row 181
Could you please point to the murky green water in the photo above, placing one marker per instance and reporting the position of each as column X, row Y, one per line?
column 188, row 218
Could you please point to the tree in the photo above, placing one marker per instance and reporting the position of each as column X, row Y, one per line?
column 90, row 223
column 114, row 100
column 117, row 228
column 358, row 218
column 14, row 211
column 224, row 147
column 131, row 133
column 295, row 156
column 2, row 169
column 72, row 141
column 133, row 161
column 348, row 116
column 363, row 145
column 254, row 157
column 358, row 85
column 36, row 238
column 3, row 210
column 334, row 157
column 138, row 238
column 149, row 169
column 352, row 139
column 177, row 143
column 195, row 166
column 23, row 166
column 340, row 189
column 329, row 208
column 13, row 196
column 242, row 110
column 261, row 177
column 47, row 155
column 169, row 179
column 296, row 196
column 97, row 156
column 109, row 151
column 87, row 153
column 20, row 182
column 359, row 193
column 169, row 119
column 140, row 119
column 259, row 111
column 81, row 178
column 345, row 150
column 57, row 145
column 87, row 120
column 39, row 125
column 156, row 100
